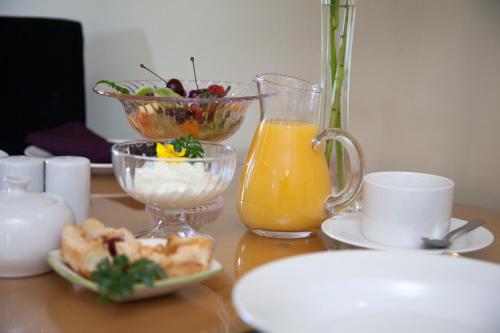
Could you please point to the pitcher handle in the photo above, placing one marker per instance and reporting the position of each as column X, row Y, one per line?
column 357, row 168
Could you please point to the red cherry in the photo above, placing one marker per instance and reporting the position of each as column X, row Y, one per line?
column 176, row 86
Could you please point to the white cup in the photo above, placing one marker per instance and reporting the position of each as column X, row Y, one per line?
column 69, row 177
column 22, row 166
column 399, row 208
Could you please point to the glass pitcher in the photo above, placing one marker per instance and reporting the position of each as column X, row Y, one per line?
column 285, row 187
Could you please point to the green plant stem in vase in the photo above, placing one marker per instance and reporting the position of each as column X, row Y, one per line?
column 337, row 32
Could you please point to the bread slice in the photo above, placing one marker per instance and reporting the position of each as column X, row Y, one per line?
column 84, row 247
column 81, row 254
column 92, row 229
column 131, row 248
column 156, row 254
column 187, row 255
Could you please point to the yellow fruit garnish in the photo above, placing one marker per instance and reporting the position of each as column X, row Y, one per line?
column 168, row 151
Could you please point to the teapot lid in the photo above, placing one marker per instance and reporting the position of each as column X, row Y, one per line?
column 17, row 195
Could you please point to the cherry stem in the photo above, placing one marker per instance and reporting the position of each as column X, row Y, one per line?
column 142, row 66
column 194, row 70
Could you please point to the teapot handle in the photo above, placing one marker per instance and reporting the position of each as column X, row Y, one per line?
column 337, row 202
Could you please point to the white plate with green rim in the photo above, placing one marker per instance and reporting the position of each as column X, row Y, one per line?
column 161, row 287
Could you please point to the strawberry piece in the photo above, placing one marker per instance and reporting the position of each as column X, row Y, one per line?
column 216, row 90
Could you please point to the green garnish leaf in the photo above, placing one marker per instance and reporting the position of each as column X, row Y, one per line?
column 194, row 149
column 116, row 278
column 118, row 88
column 145, row 271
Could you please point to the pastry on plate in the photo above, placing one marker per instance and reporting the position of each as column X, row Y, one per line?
column 84, row 247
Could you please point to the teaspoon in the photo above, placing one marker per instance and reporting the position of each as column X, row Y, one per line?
column 445, row 241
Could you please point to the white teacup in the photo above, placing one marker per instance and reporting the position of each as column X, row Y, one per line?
column 399, row 208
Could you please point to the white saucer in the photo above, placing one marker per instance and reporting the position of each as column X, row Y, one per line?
column 347, row 229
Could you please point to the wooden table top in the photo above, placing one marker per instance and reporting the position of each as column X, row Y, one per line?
column 48, row 303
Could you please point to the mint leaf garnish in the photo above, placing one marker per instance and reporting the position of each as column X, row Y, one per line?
column 118, row 88
column 116, row 278
column 194, row 149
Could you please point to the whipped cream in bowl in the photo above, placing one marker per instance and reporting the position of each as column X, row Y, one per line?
column 174, row 186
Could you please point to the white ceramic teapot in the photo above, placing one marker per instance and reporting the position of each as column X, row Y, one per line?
column 30, row 227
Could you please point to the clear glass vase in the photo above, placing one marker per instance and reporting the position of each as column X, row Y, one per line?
column 337, row 27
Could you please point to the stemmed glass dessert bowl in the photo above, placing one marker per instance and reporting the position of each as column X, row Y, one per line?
column 175, row 190
column 178, row 192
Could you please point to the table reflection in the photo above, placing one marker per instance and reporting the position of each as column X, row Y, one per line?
column 253, row 251
column 199, row 306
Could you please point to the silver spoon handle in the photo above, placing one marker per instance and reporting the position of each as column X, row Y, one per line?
column 472, row 224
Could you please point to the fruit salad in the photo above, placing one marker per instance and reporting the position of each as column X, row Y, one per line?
column 166, row 109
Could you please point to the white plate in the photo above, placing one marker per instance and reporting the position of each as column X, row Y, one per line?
column 371, row 291
column 347, row 229
column 34, row 151
column 96, row 168
column 161, row 287
column 101, row 168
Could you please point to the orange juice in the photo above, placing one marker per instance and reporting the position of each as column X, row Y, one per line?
column 284, row 181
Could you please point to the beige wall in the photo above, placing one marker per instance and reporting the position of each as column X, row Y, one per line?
column 425, row 89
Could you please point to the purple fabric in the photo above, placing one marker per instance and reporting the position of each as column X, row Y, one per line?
column 72, row 139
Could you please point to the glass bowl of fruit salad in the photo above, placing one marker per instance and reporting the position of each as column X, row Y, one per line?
column 161, row 110
column 180, row 181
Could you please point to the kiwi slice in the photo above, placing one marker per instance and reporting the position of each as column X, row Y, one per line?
column 165, row 92
column 144, row 91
